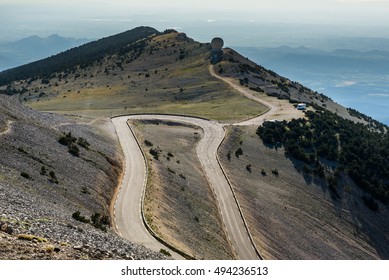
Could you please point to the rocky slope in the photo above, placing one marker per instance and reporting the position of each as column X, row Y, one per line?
column 43, row 183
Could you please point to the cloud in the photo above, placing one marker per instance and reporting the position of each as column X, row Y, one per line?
column 345, row 84
column 379, row 94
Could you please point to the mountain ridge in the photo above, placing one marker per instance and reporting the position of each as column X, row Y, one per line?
column 26, row 50
column 82, row 55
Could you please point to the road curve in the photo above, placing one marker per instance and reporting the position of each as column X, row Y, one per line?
column 127, row 207
column 276, row 110
column 128, row 216
column 129, row 202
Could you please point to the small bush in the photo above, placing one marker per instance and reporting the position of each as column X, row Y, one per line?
column 148, row 143
column 99, row 222
column 155, row 153
column 83, row 143
column 263, row 172
column 248, row 168
column 74, row 150
column 25, row 175
column 275, row 172
column 239, row 152
column 67, row 139
column 78, row 217
column 43, row 170
column 229, row 156
column 53, row 178
column 166, row 253
column 20, row 149
column 170, row 154
column 84, row 190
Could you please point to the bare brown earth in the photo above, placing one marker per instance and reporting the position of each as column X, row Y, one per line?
column 179, row 204
column 293, row 215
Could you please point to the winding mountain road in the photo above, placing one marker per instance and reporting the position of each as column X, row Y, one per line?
column 129, row 203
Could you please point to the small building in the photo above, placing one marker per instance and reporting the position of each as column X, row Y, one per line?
column 301, row 106
column 217, row 50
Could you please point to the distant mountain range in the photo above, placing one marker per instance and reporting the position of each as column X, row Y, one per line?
column 33, row 48
column 78, row 56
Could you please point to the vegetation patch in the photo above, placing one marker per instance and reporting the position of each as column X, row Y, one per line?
column 155, row 153
column 327, row 141
column 165, row 252
column 97, row 220
column 78, row 217
column 71, row 142
column 29, row 237
column 25, row 175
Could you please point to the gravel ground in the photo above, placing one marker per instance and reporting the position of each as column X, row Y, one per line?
column 40, row 206
column 294, row 215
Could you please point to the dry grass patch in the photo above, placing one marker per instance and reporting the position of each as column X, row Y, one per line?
column 179, row 203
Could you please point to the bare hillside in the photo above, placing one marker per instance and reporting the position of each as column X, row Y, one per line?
column 179, row 204
column 295, row 215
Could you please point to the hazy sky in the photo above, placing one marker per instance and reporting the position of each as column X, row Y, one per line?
column 21, row 17
column 367, row 10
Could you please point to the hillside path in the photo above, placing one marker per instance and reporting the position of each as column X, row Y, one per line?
column 277, row 110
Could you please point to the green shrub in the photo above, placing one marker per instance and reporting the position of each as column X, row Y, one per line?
column 170, row 154
column 155, row 153
column 239, row 152
column 53, row 178
column 148, row 143
column 74, row 150
column 67, row 139
column 25, row 175
column 100, row 222
column 83, row 143
column 78, row 217
column 229, row 156
column 43, row 170
column 166, row 253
